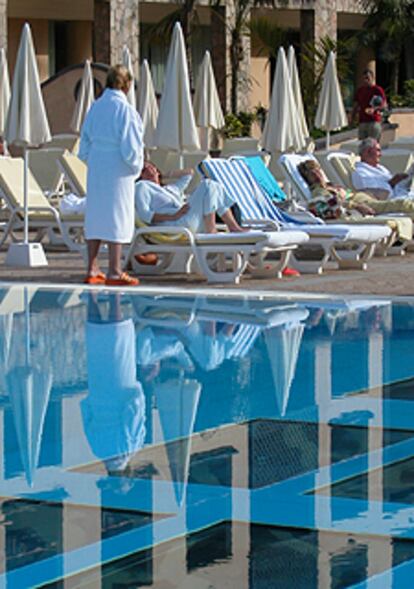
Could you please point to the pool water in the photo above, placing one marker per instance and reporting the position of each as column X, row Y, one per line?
column 205, row 442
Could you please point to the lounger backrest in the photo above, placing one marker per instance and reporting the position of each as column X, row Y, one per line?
column 45, row 168
column 68, row 141
column 289, row 163
column 168, row 161
column 265, row 178
column 75, row 171
column 238, row 181
column 231, row 174
column 243, row 341
column 11, row 184
column 342, row 165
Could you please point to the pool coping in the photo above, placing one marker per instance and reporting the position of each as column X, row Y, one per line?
column 209, row 291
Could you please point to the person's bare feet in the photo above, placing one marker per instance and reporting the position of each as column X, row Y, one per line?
column 238, row 229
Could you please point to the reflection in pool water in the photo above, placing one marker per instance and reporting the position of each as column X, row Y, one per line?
column 226, row 440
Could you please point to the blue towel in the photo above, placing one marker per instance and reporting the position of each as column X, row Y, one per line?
column 264, row 178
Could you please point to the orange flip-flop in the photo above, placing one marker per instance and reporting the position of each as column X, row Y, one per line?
column 99, row 278
column 123, row 280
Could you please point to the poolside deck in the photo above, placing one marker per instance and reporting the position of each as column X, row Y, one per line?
column 393, row 275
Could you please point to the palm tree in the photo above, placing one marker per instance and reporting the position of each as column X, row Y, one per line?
column 313, row 60
column 388, row 25
column 268, row 36
column 186, row 14
column 238, row 29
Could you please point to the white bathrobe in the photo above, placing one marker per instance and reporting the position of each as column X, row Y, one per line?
column 112, row 146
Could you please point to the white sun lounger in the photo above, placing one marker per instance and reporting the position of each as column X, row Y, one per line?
column 44, row 166
column 261, row 313
column 221, row 257
column 341, row 166
column 75, row 172
column 351, row 246
column 42, row 215
column 250, row 317
column 68, row 141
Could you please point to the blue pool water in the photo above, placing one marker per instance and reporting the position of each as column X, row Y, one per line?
column 208, row 442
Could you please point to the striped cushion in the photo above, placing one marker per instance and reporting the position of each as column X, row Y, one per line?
column 237, row 180
column 231, row 174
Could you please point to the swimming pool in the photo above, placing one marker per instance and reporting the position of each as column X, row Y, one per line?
column 152, row 440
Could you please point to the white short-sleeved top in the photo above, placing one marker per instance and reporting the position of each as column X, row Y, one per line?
column 151, row 198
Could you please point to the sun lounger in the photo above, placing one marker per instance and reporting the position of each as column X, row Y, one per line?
column 68, row 141
column 252, row 318
column 42, row 215
column 265, row 178
column 341, row 167
column 256, row 206
column 75, row 172
column 279, row 325
column 338, row 166
column 350, row 146
column 45, row 168
column 397, row 160
column 221, row 257
column 262, row 313
column 289, row 164
column 168, row 161
column 166, row 331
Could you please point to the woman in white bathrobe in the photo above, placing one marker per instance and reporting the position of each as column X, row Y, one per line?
column 112, row 146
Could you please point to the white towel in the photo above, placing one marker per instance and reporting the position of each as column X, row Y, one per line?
column 71, row 204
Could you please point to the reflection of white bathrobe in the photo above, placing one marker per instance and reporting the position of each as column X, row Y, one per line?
column 112, row 146
column 114, row 410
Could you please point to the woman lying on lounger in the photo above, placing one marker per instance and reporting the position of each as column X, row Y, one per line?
column 164, row 205
column 330, row 201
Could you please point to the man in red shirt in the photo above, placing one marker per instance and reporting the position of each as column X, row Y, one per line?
column 369, row 103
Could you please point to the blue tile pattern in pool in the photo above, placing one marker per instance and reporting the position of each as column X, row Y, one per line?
column 153, row 440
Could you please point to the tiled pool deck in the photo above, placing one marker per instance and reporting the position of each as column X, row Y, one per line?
column 393, row 276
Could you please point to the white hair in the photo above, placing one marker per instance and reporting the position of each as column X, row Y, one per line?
column 368, row 143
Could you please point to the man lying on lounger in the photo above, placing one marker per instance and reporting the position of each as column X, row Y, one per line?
column 371, row 177
column 164, row 205
column 156, row 204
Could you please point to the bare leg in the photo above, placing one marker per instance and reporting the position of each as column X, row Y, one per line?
column 93, row 250
column 210, row 223
column 231, row 222
column 227, row 217
column 115, row 251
